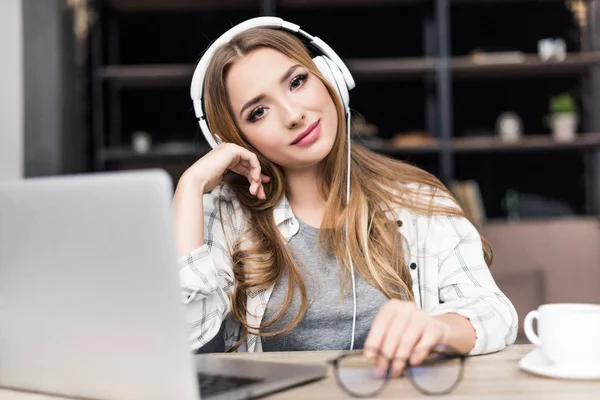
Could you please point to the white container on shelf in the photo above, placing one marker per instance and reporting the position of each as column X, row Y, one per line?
column 564, row 126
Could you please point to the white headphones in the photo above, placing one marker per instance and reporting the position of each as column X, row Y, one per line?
column 328, row 63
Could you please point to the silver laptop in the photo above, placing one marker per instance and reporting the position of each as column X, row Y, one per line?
column 90, row 305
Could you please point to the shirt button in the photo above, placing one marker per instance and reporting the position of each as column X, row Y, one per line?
column 413, row 266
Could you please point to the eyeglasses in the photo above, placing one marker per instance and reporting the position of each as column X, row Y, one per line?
column 438, row 374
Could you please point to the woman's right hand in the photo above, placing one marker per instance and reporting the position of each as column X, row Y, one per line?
column 202, row 177
column 207, row 171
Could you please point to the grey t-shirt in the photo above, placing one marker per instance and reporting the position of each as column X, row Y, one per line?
column 327, row 324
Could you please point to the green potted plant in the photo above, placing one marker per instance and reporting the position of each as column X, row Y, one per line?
column 564, row 117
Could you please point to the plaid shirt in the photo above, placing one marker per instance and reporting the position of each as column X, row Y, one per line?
column 447, row 267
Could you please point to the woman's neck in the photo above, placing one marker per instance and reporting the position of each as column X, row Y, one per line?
column 304, row 195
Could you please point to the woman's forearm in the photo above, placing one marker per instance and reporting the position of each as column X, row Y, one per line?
column 188, row 215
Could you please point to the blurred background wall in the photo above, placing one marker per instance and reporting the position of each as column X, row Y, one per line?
column 11, row 94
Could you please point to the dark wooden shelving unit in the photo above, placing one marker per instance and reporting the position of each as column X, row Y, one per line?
column 437, row 69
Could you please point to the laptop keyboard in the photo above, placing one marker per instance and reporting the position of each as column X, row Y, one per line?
column 215, row 384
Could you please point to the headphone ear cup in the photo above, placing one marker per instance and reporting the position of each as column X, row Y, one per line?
column 334, row 76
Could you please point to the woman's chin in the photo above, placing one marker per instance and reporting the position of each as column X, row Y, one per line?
column 297, row 158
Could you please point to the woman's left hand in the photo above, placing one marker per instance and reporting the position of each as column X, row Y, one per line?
column 403, row 333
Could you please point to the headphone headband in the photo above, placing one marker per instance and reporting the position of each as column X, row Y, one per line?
column 197, row 85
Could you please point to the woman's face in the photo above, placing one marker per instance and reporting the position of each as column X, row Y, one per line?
column 282, row 109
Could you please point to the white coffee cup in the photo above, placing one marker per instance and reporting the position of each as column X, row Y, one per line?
column 568, row 333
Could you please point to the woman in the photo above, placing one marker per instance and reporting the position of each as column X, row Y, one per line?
column 261, row 226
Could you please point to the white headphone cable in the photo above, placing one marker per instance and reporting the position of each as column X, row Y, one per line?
column 347, row 246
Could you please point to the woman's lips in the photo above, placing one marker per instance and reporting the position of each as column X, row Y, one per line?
column 307, row 137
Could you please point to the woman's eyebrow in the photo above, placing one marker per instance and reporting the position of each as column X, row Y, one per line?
column 289, row 73
column 257, row 99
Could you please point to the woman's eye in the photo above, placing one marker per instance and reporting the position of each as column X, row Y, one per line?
column 257, row 113
column 298, row 81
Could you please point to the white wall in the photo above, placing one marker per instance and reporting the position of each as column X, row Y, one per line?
column 11, row 90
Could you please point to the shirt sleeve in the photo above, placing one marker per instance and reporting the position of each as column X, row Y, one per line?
column 466, row 286
column 206, row 274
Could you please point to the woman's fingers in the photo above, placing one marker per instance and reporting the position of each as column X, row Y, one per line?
column 407, row 342
column 398, row 329
column 377, row 334
column 209, row 169
column 261, row 192
column 253, row 188
column 249, row 166
column 242, row 170
column 246, row 171
column 254, row 167
column 402, row 333
column 387, row 330
column 430, row 338
column 257, row 189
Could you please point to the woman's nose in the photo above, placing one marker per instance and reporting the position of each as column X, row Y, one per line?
column 294, row 116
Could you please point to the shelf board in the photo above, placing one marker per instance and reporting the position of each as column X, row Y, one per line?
column 158, row 152
column 180, row 5
column 483, row 2
column 390, row 68
column 542, row 142
column 209, row 5
column 528, row 65
column 190, row 151
column 389, row 148
column 148, row 75
column 162, row 75
column 374, row 69
column 468, row 67
column 344, row 3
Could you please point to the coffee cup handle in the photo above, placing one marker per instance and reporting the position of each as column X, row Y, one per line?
column 528, row 325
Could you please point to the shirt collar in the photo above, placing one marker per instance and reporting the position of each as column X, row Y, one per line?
column 285, row 219
column 282, row 211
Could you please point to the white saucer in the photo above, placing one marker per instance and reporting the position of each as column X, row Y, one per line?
column 536, row 362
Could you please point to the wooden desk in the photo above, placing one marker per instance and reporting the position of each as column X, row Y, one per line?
column 493, row 376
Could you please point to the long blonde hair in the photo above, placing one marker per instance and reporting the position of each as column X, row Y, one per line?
column 379, row 186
